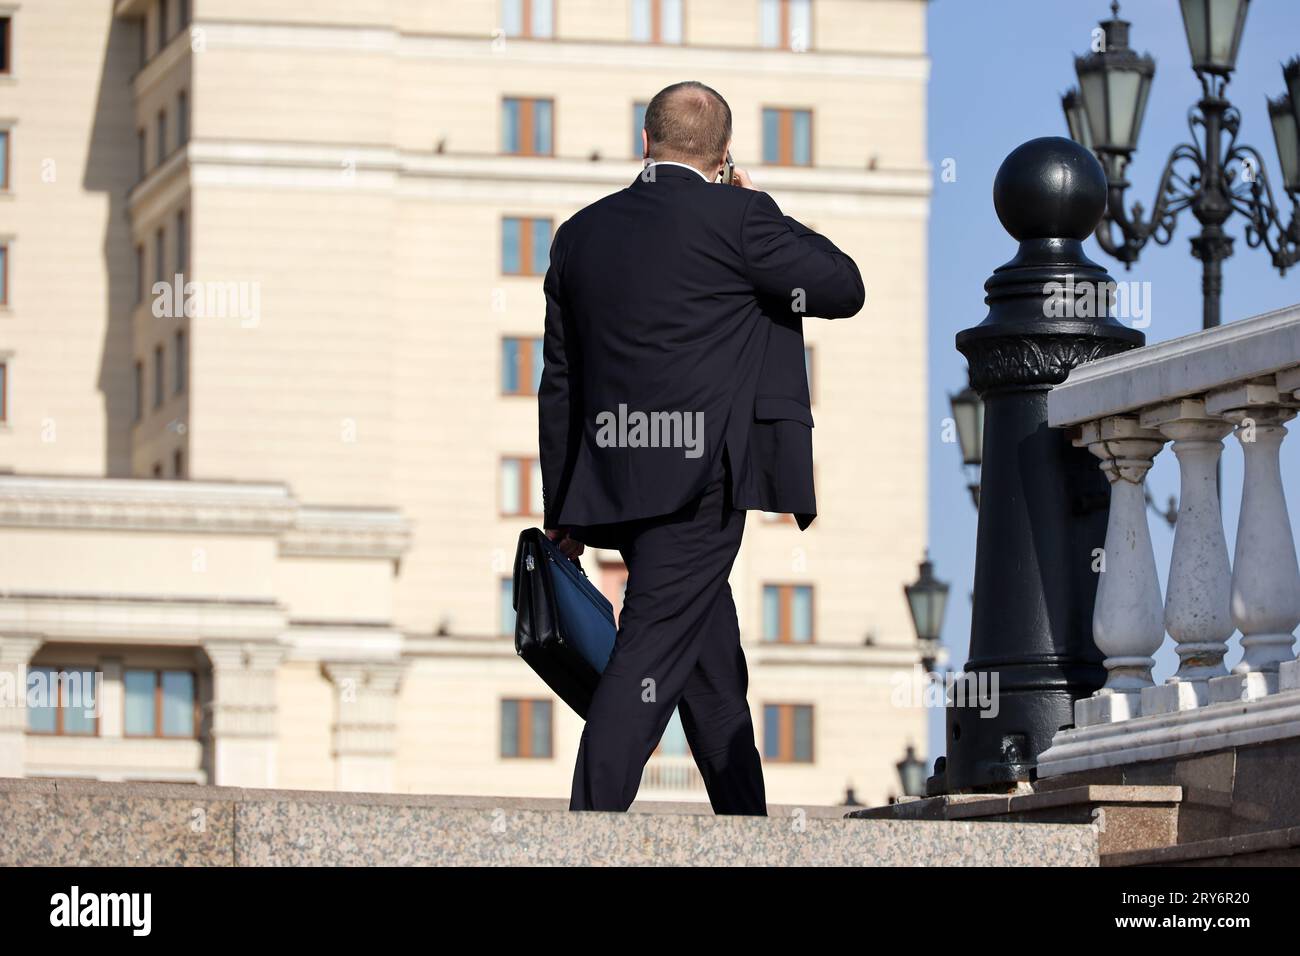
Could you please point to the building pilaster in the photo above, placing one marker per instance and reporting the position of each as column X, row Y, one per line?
column 365, row 724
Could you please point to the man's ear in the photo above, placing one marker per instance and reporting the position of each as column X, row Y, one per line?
column 645, row 144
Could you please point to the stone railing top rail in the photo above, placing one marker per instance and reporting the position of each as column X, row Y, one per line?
column 1191, row 365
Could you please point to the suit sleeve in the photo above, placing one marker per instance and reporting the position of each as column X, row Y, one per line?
column 787, row 260
column 559, row 412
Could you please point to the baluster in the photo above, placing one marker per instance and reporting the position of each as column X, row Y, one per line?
column 1128, row 618
column 1265, row 573
column 1198, row 613
column 1288, row 672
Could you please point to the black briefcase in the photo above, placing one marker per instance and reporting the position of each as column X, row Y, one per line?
column 564, row 626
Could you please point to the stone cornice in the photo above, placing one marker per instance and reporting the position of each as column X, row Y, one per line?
column 347, row 532
column 121, row 504
column 140, row 620
column 145, row 505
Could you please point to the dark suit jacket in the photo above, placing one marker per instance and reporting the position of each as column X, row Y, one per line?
column 683, row 298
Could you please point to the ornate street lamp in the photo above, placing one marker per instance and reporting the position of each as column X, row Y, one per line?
column 1213, row 176
column 927, row 600
column 968, row 413
column 911, row 773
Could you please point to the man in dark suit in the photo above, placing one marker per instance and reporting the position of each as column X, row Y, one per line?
column 674, row 398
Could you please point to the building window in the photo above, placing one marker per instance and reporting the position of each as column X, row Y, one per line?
column 137, row 411
column 787, row 137
column 157, row 469
column 521, row 486
column 506, row 605
column 638, row 124
column 178, row 464
column 4, row 391
column 65, row 701
column 525, row 246
column 159, row 256
column 160, row 704
column 4, row 159
column 785, row 24
column 528, row 18
column 526, row 126
column 808, row 370
column 787, row 613
column 182, row 243
column 6, row 44
column 526, row 728
column 142, row 155
column 162, row 23
column 160, row 130
column 158, row 377
column 521, row 366
column 182, row 118
column 4, row 274
column 788, row 733
column 180, row 361
column 657, row 21
column 139, row 274
column 183, row 14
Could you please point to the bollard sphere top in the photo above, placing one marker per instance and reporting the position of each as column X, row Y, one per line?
column 1050, row 188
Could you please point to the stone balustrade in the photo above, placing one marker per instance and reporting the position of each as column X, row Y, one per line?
column 1190, row 393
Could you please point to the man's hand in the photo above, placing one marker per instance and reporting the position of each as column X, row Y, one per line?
column 568, row 547
column 740, row 177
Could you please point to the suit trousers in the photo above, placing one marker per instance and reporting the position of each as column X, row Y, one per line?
column 678, row 646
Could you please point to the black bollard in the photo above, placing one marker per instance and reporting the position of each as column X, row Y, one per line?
column 1043, row 503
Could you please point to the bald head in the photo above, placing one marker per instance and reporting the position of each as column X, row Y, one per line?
column 688, row 123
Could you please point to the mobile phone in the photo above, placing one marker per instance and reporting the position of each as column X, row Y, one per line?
column 728, row 169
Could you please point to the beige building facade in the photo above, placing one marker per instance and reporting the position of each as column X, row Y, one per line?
column 268, row 429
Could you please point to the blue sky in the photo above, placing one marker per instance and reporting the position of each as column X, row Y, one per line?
column 998, row 71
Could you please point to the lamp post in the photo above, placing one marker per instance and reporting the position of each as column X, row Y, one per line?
column 1044, row 504
column 911, row 773
column 927, row 600
column 968, row 413
column 1212, row 175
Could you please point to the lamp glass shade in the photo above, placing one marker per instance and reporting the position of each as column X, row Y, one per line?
column 1214, row 29
column 1115, row 99
column 1286, row 134
column 968, row 413
column 1076, row 118
column 1291, row 73
column 927, row 600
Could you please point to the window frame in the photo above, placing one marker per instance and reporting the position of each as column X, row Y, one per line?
column 526, row 133
column 526, row 22
column 6, row 166
column 527, row 253
column 785, row 612
column 524, row 728
column 158, row 733
column 785, row 145
column 159, row 375
column 786, row 732
column 7, row 43
column 525, row 485
column 656, row 24
column 526, row 374
column 59, row 730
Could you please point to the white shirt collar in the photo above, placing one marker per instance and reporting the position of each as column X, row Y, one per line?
column 668, row 162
